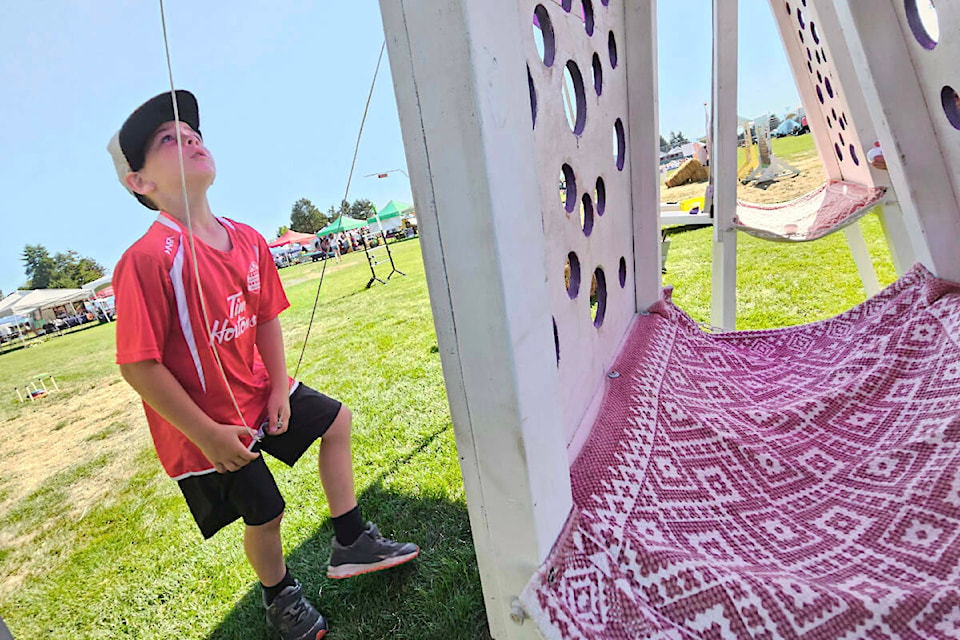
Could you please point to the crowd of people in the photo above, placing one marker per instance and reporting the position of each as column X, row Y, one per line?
column 345, row 242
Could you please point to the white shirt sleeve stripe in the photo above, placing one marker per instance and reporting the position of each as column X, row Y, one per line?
column 183, row 312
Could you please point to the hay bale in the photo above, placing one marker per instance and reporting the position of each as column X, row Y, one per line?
column 689, row 171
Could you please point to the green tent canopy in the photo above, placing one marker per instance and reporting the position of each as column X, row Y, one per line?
column 343, row 223
column 392, row 209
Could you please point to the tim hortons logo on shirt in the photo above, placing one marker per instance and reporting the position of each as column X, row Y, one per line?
column 237, row 304
column 238, row 322
column 253, row 278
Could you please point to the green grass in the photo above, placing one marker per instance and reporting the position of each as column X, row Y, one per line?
column 36, row 507
column 134, row 565
column 103, row 434
column 786, row 148
column 79, row 360
column 778, row 284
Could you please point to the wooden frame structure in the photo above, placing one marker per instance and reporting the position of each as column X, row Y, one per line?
column 525, row 350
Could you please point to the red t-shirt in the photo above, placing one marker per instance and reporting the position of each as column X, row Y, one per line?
column 159, row 318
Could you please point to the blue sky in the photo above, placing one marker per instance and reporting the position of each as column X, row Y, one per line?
column 281, row 88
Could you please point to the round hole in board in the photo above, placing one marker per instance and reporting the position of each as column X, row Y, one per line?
column 619, row 144
column 853, row 155
column 951, row 105
column 612, row 48
column 924, row 22
column 597, row 74
column 574, row 99
column 586, row 214
column 556, row 340
column 598, row 300
column 543, row 35
column 571, row 275
column 600, row 195
column 588, row 20
column 568, row 188
column 533, row 97
column 622, row 272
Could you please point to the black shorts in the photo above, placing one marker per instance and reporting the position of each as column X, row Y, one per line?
column 217, row 499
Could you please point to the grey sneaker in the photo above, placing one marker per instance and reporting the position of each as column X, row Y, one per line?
column 370, row 552
column 295, row 618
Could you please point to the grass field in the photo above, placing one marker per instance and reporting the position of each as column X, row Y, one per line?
column 787, row 148
column 95, row 541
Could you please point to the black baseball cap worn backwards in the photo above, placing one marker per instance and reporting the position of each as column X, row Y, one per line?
column 128, row 146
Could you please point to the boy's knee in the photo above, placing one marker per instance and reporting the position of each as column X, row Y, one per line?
column 341, row 424
column 272, row 524
column 345, row 415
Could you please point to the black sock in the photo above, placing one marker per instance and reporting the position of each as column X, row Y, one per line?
column 272, row 592
column 348, row 527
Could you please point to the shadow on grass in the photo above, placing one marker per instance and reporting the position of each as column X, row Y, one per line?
column 437, row 596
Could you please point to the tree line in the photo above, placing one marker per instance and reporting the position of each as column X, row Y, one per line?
column 676, row 139
column 70, row 270
column 305, row 217
column 67, row 270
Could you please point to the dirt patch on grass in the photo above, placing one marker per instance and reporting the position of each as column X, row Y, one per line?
column 69, row 451
column 56, row 434
column 811, row 176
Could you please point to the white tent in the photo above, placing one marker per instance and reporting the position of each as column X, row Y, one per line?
column 27, row 302
column 99, row 284
column 7, row 304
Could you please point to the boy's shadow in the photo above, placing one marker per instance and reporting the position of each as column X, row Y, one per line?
column 437, row 595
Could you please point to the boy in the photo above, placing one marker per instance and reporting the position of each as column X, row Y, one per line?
column 202, row 345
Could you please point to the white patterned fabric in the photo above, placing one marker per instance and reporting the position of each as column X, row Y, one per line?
column 832, row 207
column 793, row 483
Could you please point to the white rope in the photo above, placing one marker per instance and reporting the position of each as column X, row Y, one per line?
column 346, row 193
column 193, row 245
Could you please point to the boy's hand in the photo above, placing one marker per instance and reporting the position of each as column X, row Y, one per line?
column 222, row 447
column 278, row 411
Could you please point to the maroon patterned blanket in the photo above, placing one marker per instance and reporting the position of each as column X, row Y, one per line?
column 793, row 483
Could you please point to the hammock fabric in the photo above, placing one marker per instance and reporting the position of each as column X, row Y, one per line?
column 830, row 208
column 793, row 483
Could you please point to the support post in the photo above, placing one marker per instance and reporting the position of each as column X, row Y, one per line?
column 861, row 257
column 898, row 239
column 891, row 69
column 723, row 164
column 642, row 91
column 463, row 98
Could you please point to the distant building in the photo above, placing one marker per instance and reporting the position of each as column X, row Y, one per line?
column 673, row 154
